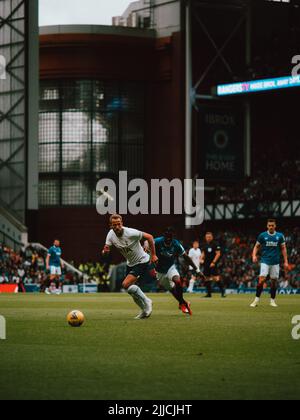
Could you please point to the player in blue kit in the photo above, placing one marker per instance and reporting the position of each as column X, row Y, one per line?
column 272, row 245
column 168, row 249
column 55, row 265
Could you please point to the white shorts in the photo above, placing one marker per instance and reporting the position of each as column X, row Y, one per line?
column 270, row 270
column 55, row 271
column 166, row 280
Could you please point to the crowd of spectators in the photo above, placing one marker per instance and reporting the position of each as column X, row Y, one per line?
column 97, row 273
column 26, row 267
column 272, row 52
column 281, row 182
column 23, row 267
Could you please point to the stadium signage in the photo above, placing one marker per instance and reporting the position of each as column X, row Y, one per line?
column 286, row 292
column 222, row 152
column 296, row 329
column 2, row 328
column 263, row 85
column 159, row 197
column 9, row 288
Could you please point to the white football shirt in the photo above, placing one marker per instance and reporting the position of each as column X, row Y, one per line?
column 195, row 255
column 129, row 245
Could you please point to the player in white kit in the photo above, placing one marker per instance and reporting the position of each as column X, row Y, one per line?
column 128, row 243
column 195, row 255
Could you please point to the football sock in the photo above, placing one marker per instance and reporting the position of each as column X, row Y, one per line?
column 221, row 286
column 273, row 292
column 177, row 292
column 138, row 296
column 191, row 286
column 208, row 288
column 259, row 290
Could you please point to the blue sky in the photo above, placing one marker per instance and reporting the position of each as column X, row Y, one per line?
column 63, row 12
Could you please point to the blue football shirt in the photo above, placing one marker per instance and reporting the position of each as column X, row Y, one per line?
column 167, row 255
column 55, row 256
column 271, row 246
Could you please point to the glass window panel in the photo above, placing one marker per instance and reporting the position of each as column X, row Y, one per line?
column 76, row 192
column 132, row 128
column 105, row 158
column 106, row 96
column 101, row 127
column 49, row 192
column 76, row 157
column 105, row 127
column 77, row 95
column 49, row 96
column 49, row 130
column 49, row 158
column 76, row 127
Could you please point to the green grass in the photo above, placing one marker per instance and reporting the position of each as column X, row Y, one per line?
column 225, row 351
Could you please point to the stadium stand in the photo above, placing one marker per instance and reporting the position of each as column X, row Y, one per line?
column 27, row 267
column 280, row 181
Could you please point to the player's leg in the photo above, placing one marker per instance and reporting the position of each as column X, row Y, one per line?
column 220, row 283
column 139, row 297
column 58, row 281
column 208, row 285
column 177, row 292
column 48, row 283
column 58, row 285
column 273, row 292
column 274, row 274
column 50, row 279
column 191, row 283
column 259, row 290
column 264, row 272
column 208, row 281
column 171, row 282
column 176, row 285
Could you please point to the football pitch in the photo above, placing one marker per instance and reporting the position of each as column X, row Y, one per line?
column 227, row 350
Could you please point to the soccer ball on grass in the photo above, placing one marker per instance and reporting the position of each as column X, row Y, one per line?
column 75, row 318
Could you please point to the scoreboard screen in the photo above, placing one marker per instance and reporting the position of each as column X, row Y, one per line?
column 254, row 86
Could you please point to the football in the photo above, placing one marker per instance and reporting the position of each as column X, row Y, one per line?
column 75, row 318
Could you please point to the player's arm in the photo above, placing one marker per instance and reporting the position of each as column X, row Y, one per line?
column 285, row 256
column 108, row 245
column 216, row 259
column 151, row 242
column 48, row 262
column 106, row 249
column 255, row 253
column 202, row 258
